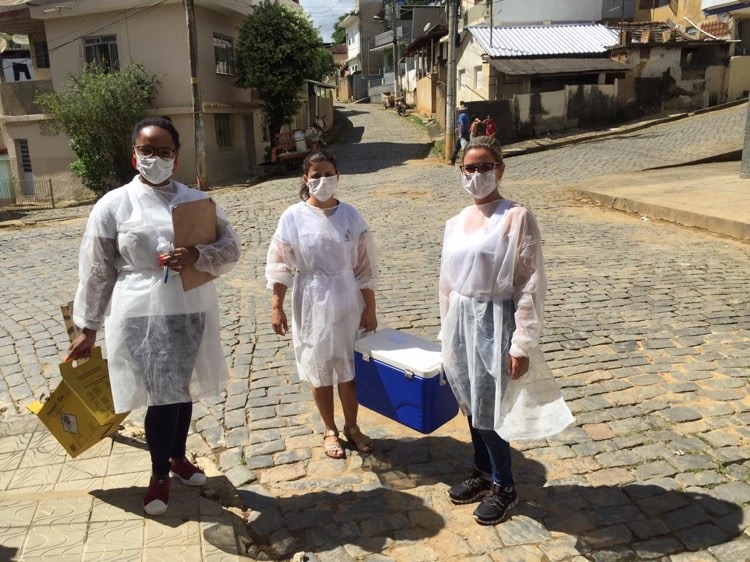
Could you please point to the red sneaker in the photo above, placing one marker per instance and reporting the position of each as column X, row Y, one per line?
column 156, row 500
column 188, row 472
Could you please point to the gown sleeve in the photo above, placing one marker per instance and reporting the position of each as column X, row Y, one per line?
column 96, row 269
column 366, row 268
column 219, row 257
column 529, row 285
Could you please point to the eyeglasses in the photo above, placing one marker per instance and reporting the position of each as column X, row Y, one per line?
column 148, row 152
column 483, row 168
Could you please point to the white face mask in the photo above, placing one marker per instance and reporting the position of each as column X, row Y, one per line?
column 479, row 185
column 323, row 188
column 154, row 170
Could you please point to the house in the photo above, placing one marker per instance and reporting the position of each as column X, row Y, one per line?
column 680, row 58
column 734, row 14
column 361, row 64
column 485, row 76
column 64, row 35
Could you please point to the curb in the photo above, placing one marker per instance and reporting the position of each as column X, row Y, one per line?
column 620, row 131
column 716, row 225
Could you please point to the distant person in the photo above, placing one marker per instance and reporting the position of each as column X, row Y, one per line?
column 490, row 127
column 491, row 291
column 163, row 343
column 463, row 124
column 324, row 251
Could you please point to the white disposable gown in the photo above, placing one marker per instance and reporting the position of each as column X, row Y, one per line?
column 333, row 255
column 162, row 342
column 492, row 288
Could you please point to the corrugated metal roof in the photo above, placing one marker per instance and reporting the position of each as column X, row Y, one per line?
column 544, row 40
column 547, row 66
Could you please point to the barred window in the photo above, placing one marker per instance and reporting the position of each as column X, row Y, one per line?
column 223, row 124
column 103, row 51
column 42, row 54
column 224, row 54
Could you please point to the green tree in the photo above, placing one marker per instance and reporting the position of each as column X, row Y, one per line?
column 278, row 48
column 339, row 33
column 98, row 110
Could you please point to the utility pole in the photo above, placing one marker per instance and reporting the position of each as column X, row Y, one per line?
column 745, row 166
column 394, row 17
column 450, row 90
column 200, row 148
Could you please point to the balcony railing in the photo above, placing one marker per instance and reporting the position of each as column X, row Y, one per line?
column 403, row 34
column 17, row 98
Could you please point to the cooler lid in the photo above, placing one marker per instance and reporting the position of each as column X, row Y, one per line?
column 403, row 351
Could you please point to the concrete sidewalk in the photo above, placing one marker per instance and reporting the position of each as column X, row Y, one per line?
column 712, row 197
column 89, row 508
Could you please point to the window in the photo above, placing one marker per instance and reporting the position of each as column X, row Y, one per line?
column 652, row 4
column 223, row 123
column 224, row 54
column 102, row 50
column 24, row 156
column 478, row 77
column 42, row 54
column 462, row 78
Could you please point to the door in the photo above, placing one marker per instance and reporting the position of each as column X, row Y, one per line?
column 24, row 164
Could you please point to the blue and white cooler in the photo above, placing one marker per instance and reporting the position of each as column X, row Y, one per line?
column 400, row 375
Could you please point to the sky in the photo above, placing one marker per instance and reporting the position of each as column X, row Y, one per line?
column 324, row 13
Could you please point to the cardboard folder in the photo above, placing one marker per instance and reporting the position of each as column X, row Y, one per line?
column 194, row 223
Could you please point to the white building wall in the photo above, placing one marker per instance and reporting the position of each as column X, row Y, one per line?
column 469, row 59
column 508, row 12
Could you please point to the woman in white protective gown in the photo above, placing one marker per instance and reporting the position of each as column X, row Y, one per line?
column 163, row 345
column 492, row 287
column 323, row 249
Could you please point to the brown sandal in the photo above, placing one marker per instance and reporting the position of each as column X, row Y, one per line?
column 333, row 447
column 359, row 440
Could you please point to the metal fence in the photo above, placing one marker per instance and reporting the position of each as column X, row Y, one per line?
column 15, row 193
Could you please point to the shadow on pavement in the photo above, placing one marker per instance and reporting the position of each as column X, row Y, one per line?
column 354, row 157
column 371, row 157
column 220, row 527
column 650, row 519
column 7, row 553
column 324, row 521
column 633, row 521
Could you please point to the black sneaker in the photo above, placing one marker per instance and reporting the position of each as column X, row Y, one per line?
column 474, row 488
column 495, row 505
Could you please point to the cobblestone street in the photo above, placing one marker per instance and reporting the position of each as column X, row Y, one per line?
column 647, row 329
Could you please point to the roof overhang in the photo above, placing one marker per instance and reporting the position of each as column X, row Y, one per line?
column 713, row 7
column 551, row 66
column 544, row 40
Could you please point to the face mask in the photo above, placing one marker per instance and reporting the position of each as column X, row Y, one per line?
column 323, row 188
column 154, row 170
column 479, row 185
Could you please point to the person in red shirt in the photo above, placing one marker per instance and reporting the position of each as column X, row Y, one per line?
column 490, row 127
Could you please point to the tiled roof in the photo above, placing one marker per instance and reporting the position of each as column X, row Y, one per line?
column 547, row 66
column 544, row 40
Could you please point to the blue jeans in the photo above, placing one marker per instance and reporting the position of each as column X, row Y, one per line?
column 457, row 147
column 491, row 455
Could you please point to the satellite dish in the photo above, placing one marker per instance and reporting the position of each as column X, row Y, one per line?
column 3, row 44
column 20, row 39
column 426, row 26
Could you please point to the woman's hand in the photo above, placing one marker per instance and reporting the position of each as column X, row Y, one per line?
column 181, row 258
column 369, row 320
column 81, row 346
column 517, row 366
column 278, row 320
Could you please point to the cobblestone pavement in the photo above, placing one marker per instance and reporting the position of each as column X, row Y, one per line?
column 647, row 330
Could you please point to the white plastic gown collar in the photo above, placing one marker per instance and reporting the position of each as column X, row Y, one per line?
column 282, row 263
